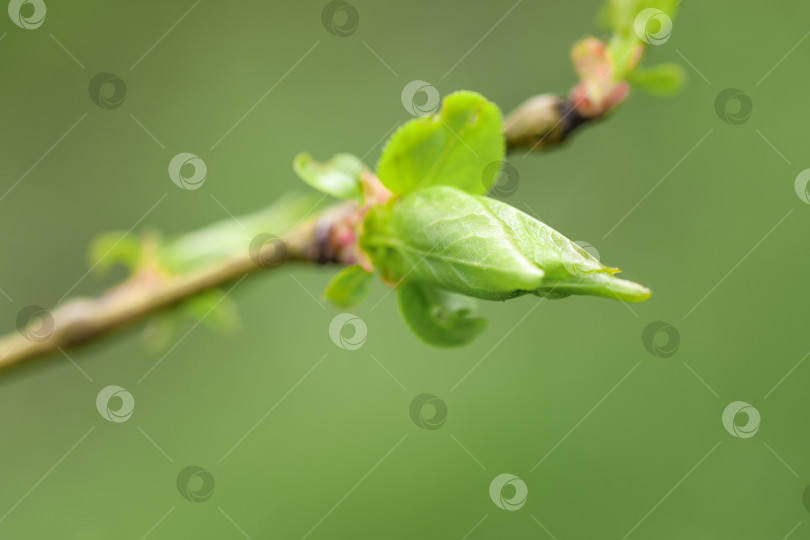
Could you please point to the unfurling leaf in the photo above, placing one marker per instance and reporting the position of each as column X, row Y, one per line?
column 602, row 86
column 160, row 332
column 484, row 248
column 441, row 243
column 339, row 177
column 438, row 317
column 349, row 287
column 661, row 80
column 636, row 23
column 451, row 148
column 115, row 248
column 620, row 15
column 213, row 308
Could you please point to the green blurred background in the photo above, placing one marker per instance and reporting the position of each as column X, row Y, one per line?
column 627, row 442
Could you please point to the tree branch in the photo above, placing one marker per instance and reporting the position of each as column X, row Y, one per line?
column 542, row 122
column 147, row 292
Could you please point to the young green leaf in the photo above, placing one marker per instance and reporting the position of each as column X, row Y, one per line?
column 349, row 287
column 115, row 248
column 661, row 80
column 634, row 23
column 160, row 332
column 213, row 308
column 339, row 177
column 483, row 248
column 620, row 15
column 452, row 148
column 438, row 317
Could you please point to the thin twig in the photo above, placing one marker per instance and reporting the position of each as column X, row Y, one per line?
column 542, row 122
column 81, row 320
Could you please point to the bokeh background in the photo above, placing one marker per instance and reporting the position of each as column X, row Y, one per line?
column 304, row 438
